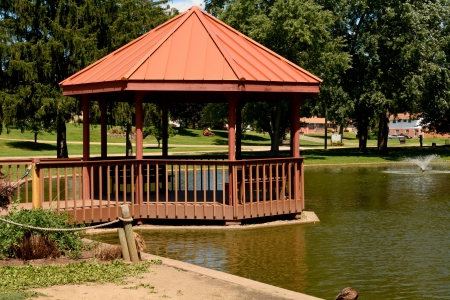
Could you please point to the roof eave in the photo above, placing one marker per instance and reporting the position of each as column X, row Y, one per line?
column 197, row 86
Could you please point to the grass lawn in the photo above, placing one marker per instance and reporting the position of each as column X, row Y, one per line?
column 17, row 144
column 191, row 137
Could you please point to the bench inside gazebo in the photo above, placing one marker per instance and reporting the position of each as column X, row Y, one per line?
column 191, row 58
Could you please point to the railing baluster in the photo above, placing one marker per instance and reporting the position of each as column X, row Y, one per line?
column 124, row 183
column 100, row 191
column 66, row 192
column 91, row 171
column 50, row 187
column 223, row 190
column 108, row 190
column 58, row 190
column 204, row 193
column 214, row 189
column 116, row 187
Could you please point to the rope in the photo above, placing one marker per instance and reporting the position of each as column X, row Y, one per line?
column 65, row 229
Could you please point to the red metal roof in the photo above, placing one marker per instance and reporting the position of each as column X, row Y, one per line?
column 192, row 47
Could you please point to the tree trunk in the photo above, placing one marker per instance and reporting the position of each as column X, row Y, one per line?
column 383, row 132
column 325, row 142
column 275, row 141
column 341, row 130
column 128, row 130
column 35, row 140
column 61, row 139
column 362, row 134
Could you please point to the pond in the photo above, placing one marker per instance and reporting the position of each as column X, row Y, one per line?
column 383, row 230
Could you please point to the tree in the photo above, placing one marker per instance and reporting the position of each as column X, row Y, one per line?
column 270, row 117
column 186, row 112
column 298, row 31
column 44, row 42
column 395, row 46
column 154, row 123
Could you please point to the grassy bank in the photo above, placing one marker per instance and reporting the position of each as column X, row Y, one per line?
column 17, row 281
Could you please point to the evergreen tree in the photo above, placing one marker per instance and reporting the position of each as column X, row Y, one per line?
column 44, row 42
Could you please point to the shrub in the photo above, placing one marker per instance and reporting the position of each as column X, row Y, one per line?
column 16, row 240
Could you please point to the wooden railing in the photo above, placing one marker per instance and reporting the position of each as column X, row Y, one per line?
column 172, row 188
column 12, row 171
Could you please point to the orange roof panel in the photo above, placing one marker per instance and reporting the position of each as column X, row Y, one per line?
column 193, row 46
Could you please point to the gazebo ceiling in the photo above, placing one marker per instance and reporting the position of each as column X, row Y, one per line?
column 192, row 52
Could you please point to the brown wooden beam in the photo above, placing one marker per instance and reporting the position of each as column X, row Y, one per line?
column 139, row 124
column 86, row 148
column 296, row 102
column 103, row 128
column 165, row 127
column 187, row 86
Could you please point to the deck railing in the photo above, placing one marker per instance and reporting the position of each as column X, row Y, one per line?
column 12, row 171
column 172, row 188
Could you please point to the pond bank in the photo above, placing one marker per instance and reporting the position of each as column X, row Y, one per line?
column 175, row 279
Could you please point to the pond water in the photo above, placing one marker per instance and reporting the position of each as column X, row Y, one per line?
column 383, row 230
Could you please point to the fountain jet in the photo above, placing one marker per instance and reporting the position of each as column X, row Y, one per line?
column 423, row 161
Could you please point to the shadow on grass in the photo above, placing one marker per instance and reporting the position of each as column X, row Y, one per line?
column 31, row 146
column 186, row 132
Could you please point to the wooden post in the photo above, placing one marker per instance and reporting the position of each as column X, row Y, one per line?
column 86, row 148
column 239, row 107
column 138, row 97
column 103, row 129
column 129, row 233
column 295, row 125
column 232, row 102
column 165, row 129
column 139, row 120
column 123, row 244
column 35, row 185
column 297, row 179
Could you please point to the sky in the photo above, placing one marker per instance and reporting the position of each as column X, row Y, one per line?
column 183, row 5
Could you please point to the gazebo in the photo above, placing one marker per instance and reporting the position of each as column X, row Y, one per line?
column 191, row 58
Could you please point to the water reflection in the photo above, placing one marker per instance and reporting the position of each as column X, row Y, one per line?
column 383, row 232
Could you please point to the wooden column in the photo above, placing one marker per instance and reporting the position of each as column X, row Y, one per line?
column 233, row 99
column 239, row 130
column 86, row 148
column 35, row 184
column 165, row 129
column 295, row 125
column 297, row 187
column 139, row 121
column 138, row 180
column 103, row 129
column 232, row 103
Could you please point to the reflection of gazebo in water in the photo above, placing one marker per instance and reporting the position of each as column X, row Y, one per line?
column 191, row 58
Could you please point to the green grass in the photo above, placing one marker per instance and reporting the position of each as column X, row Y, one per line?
column 352, row 156
column 17, row 281
column 29, row 149
column 17, row 144
column 218, row 143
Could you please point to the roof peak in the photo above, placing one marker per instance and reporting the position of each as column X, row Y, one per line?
column 193, row 46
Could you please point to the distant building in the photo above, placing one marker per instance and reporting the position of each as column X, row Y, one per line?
column 409, row 125
column 404, row 123
column 314, row 125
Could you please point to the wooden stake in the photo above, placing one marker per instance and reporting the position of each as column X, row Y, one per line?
column 123, row 244
column 129, row 234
